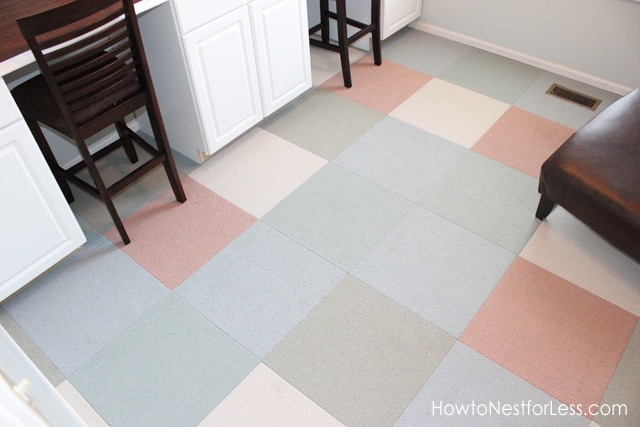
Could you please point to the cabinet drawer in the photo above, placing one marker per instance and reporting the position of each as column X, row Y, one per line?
column 191, row 14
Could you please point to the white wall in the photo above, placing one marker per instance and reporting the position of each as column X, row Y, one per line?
column 594, row 41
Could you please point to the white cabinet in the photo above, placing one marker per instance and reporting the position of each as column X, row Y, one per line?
column 219, row 68
column 37, row 227
column 397, row 14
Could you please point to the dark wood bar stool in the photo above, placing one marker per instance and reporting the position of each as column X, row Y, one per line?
column 94, row 73
column 344, row 40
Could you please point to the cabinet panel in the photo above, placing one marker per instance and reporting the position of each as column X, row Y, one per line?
column 282, row 50
column 398, row 14
column 172, row 82
column 37, row 227
column 222, row 63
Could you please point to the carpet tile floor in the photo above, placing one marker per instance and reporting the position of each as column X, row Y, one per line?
column 363, row 257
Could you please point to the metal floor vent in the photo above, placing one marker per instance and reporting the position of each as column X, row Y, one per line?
column 570, row 95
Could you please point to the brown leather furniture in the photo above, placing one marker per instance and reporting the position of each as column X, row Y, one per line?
column 595, row 175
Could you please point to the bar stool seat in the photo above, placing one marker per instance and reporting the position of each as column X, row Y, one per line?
column 344, row 40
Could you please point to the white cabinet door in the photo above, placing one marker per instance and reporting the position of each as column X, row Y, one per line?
column 397, row 14
column 223, row 71
column 281, row 41
column 44, row 402
column 37, row 227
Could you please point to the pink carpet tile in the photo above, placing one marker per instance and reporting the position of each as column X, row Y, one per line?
column 172, row 240
column 555, row 335
column 522, row 140
column 382, row 87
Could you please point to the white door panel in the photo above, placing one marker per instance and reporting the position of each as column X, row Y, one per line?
column 37, row 227
column 222, row 62
column 282, row 48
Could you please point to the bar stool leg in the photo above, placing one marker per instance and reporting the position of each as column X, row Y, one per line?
column 103, row 192
column 343, row 43
column 127, row 144
column 324, row 21
column 375, row 34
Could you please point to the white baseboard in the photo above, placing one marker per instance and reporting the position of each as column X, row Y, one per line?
column 524, row 58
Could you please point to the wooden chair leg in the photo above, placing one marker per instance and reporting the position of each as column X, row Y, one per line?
column 545, row 206
column 115, row 217
column 127, row 143
column 57, row 171
column 102, row 190
column 170, row 168
column 324, row 21
column 343, row 43
column 375, row 34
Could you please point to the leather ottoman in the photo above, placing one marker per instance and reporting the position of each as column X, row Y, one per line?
column 595, row 175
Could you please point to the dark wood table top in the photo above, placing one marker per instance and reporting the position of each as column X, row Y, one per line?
column 11, row 41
